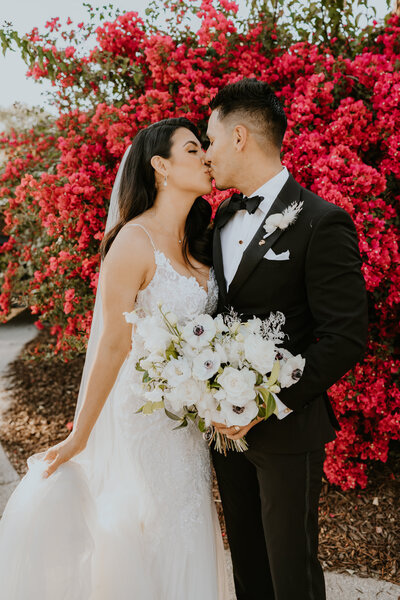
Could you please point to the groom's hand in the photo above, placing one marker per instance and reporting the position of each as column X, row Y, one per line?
column 235, row 432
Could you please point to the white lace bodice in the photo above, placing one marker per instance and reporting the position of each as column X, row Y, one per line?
column 179, row 293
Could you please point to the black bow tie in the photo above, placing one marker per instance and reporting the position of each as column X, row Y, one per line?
column 240, row 202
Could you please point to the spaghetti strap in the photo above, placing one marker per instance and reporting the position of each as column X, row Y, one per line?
column 145, row 230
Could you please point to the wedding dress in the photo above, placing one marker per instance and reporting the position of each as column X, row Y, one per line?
column 154, row 535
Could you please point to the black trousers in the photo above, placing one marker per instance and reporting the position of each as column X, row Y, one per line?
column 270, row 503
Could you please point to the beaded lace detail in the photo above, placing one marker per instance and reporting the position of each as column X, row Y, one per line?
column 175, row 464
column 179, row 293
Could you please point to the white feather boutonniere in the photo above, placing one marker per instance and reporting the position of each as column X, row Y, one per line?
column 282, row 220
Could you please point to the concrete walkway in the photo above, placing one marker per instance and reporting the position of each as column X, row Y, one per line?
column 13, row 336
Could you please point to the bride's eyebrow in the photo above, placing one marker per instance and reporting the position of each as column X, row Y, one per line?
column 191, row 142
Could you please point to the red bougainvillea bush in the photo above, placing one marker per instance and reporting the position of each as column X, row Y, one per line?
column 343, row 139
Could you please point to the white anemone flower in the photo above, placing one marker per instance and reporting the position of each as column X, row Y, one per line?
column 206, row 364
column 239, row 415
column 291, row 371
column 199, row 332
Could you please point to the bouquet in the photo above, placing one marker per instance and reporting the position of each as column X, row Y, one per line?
column 210, row 370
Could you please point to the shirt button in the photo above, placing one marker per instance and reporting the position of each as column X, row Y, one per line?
column 240, row 241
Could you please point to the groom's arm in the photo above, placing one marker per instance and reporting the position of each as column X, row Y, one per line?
column 337, row 300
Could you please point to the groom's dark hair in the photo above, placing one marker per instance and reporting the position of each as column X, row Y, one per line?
column 256, row 100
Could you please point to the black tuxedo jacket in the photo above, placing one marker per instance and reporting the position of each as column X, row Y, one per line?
column 321, row 292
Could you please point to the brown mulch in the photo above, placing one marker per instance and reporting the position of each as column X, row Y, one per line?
column 359, row 529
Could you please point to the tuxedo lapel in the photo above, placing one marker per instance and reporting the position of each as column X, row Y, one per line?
column 218, row 263
column 255, row 251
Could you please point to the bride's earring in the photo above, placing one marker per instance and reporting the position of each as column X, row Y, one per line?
column 165, row 181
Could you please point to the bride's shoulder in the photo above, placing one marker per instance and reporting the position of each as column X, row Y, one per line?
column 131, row 246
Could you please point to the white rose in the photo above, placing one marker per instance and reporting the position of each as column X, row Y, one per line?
column 155, row 395
column 238, row 385
column 220, row 324
column 207, row 407
column 174, row 401
column 291, row 370
column 199, row 332
column 239, row 415
column 176, row 371
column 259, row 353
column 219, row 395
column 185, row 394
column 234, row 351
column 171, row 318
column 156, row 338
column 234, row 327
column 251, row 326
column 152, row 364
column 220, row 350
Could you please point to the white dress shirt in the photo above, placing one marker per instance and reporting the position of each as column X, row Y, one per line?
column 238, row 233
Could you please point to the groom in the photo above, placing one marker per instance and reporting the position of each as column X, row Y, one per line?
column 310, row 271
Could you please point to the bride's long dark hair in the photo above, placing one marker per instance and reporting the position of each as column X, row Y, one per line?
column 137, row 191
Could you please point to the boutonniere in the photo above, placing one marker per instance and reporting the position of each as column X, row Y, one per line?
column 282, row 220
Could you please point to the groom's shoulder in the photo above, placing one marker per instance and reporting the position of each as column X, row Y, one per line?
column 315, row 206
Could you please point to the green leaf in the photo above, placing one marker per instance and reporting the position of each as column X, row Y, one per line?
column 264, row 394
column 148, row 408
column 171, row 415
column 262, row 412
column 171, row 352
column 182, row 425
column 158, row 405
column 270, row 406
column 274, row 373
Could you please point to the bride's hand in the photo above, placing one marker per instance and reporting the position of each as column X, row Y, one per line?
column 61, row 453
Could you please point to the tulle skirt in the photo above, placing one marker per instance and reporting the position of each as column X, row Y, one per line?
column 148, row 532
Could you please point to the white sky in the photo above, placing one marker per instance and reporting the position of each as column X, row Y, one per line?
column 26, row 14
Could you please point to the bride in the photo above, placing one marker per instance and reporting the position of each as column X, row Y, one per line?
column 122, row 508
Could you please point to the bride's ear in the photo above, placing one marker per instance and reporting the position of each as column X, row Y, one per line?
column 159, row 165
column 160, row 169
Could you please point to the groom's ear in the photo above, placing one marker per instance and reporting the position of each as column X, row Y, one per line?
column 239, row 137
